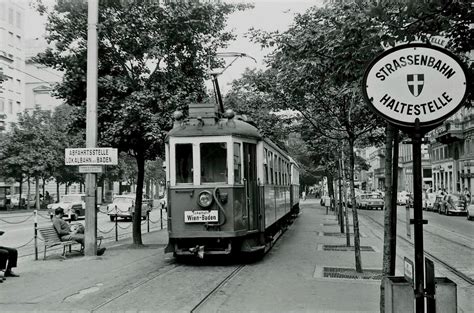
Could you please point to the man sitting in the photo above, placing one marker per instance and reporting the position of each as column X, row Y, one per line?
column 65, row 233
column 8, row 259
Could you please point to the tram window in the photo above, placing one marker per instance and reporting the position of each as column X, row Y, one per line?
column 265, row 164
column 184, row 163
column 237, row 164
column 213, row 162
column 270, row 157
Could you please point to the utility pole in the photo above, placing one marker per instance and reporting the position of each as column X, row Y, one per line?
column 91, row 126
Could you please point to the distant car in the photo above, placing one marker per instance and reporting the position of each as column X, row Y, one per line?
column 439, row 202
column 74, row 206
column 453, row 204
column 470, row 210
column 370, row 201
column 428, row 201
column 124, row 205
column 403, row 197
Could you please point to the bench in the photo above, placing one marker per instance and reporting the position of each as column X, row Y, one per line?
column 51, row 239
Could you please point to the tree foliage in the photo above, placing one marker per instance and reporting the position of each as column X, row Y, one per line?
column 152, row 60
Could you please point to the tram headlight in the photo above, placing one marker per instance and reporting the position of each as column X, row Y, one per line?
column 205, row 199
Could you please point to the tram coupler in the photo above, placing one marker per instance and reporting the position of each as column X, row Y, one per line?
column 198, row 250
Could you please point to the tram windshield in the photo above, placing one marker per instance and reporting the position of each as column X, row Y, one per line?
column 213, row 162
column 184, row 163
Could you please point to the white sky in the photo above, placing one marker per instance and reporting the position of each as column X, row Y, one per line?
column 267, row 15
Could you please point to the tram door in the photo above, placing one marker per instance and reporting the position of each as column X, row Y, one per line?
column 250, row 175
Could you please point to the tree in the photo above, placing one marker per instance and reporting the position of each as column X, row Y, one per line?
column 26, row 149
column 152, row 60
column 406, row 21
column 319, row 62
column 252, row 95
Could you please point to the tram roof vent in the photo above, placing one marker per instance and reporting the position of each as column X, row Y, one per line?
column 205, row 111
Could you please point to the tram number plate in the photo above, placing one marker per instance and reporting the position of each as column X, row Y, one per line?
column 201, row 216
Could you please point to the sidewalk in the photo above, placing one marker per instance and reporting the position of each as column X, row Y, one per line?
column 69, row 285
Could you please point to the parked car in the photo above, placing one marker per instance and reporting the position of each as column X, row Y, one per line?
column 124, row 205
column 470, row 210
column 370, row 201
column 453, row 204
column 14, row 200
column 74, row 206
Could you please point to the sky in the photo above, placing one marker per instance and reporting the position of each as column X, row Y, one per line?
column 268, row 15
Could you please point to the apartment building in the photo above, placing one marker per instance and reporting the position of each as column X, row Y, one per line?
column 452, row 153
column 12, row 62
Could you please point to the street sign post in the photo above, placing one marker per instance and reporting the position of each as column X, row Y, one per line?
column 415, row 87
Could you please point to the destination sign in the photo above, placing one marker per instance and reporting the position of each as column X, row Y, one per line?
column 415, row 81
column 91, row 156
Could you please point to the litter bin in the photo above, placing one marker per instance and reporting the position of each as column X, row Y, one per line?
column 399, row 295
column 446, row 296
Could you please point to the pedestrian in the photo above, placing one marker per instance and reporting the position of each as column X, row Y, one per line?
column 8, row 260
column 67, row 233
column 303, row 195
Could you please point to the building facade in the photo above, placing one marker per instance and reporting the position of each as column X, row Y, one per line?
column 452, row 153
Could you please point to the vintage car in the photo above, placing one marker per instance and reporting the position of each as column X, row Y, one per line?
column 370, row 201
column 428, row 201
column 74, row 206
column 470, row 210
column 453, row 204
column 124, row 206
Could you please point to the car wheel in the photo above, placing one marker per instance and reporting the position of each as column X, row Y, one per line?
column 74, row 217
column 112, row 218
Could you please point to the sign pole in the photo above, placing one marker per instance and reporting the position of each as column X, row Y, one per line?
column 90, row 248
column 418, row 219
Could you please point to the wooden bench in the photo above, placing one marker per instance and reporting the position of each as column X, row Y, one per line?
column 51, row 239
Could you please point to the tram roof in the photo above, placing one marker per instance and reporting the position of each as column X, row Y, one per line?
column 224, row 127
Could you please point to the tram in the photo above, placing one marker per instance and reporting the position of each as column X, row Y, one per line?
column 230, row 190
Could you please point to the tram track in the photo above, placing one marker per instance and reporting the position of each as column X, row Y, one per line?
column 226, row 279
column 452, row 269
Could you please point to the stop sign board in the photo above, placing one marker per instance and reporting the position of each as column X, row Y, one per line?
column 415, row 81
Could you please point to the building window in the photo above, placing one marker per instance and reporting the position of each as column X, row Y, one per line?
column 2, row 105
column 2, row 11
column 10, row 106
column 10, row 16
column 18, row 106
column 18, row 20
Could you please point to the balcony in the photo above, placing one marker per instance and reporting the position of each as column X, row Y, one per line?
column 452, row 132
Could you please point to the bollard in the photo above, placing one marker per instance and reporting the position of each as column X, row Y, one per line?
column 116, row 227
column 36, row 234
column 148, row 221
column 399, row 296
column 161, row 218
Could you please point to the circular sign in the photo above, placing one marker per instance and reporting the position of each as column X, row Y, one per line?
column 415, row 81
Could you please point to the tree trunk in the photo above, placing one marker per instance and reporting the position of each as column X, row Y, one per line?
column 388, row 232
column 346, row 204
column 37, row 193
column 355, row 217
column 57, row 191
column 137, row 217
column 28, row 194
